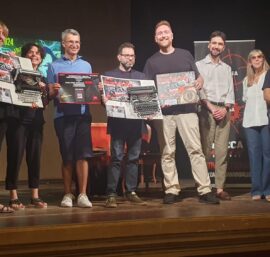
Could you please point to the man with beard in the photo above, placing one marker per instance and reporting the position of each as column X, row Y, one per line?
column 124, row 132
column 182, row 118
column 217, row 97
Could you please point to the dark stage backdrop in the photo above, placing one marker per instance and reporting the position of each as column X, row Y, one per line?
column 193, row 20
column 103, row 25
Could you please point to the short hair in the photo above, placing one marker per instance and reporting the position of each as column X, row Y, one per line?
column 27, row 47
column 125, row 45
column 163, row 22
column 218, row 33
column 69, row 31
column 5, row 28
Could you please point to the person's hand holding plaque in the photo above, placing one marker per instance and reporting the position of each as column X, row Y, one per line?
column 54, row 89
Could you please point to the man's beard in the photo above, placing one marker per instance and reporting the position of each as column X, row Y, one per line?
column 127, row 66
column 217, row 53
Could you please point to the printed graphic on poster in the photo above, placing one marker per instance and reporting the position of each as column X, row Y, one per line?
column 235, row 55
column 177, row 88
column 131, row 99
column 79, row 88
column 19, row 82
column 52, row 49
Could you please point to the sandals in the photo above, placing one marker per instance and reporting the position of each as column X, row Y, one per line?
column 38, row 203
column 6, row 209
column 16, row 204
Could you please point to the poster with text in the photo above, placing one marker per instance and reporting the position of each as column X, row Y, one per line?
column 131, row 99
column 176, row 88
column 79, row 88
column 19, row 82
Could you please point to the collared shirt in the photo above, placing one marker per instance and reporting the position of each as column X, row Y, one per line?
column 65, row 65
column 255, row 113
column 218, row 82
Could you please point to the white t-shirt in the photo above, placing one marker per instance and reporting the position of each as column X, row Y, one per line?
column 255, row 113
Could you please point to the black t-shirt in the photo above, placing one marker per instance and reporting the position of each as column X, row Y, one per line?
column 119, row 127
column 180, row 60
column 266, row 83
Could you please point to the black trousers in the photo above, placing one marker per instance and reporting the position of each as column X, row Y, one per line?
column 22, row 137
column 3, row 129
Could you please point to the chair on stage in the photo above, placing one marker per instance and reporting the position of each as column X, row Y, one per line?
column 99, row 163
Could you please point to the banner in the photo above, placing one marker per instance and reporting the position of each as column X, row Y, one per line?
column 235, row 55
column 130, row 98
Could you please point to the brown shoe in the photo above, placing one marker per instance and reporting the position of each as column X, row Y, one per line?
column 223, row 196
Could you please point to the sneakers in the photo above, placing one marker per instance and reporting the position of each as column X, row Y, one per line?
column 171, row 198
column 83, row 201
column 134, row 198
column 67, row 200
column 208, row 198
column 111, row 202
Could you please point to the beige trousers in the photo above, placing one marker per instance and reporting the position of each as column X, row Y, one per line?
column 188, row 128
column 216, row 132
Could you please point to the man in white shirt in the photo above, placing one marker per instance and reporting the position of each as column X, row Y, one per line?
column 217, row 97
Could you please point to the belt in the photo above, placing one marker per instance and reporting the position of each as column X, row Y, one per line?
column 217, row 103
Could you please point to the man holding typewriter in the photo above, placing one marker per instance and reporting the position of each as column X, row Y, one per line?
column 124, row 132
column 178, row 117
column 217, row 97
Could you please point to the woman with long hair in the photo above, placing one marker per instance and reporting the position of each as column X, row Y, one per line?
column 25, row 134
column 255, row 123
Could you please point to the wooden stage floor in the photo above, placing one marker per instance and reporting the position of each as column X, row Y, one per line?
column 187, row 228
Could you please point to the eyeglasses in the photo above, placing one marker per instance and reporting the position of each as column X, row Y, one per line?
column 128, row 55
column 254, row 57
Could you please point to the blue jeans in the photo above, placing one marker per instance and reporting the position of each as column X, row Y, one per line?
column 131, row 163
column 258, row 142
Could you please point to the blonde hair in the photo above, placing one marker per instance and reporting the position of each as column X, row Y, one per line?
column 163, row 22
column 5, row 28
column 251, row 76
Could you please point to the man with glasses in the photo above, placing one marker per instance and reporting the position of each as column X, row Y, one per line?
column 72, row 121
column 217, row 97
column 178, row 117
column 124, row 132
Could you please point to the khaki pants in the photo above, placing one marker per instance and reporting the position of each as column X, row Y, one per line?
column 188, row 128
column 216, row 132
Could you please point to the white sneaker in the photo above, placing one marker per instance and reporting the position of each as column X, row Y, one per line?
column 83, row 201
column 67, row 200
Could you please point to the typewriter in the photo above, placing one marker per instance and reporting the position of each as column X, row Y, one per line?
column 26, row 80
column 144, row 100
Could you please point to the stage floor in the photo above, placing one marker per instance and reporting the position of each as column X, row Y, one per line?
column 241, row 204
column 240, row 227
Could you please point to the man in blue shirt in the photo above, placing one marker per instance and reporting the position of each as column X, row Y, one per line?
column 72, row 121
